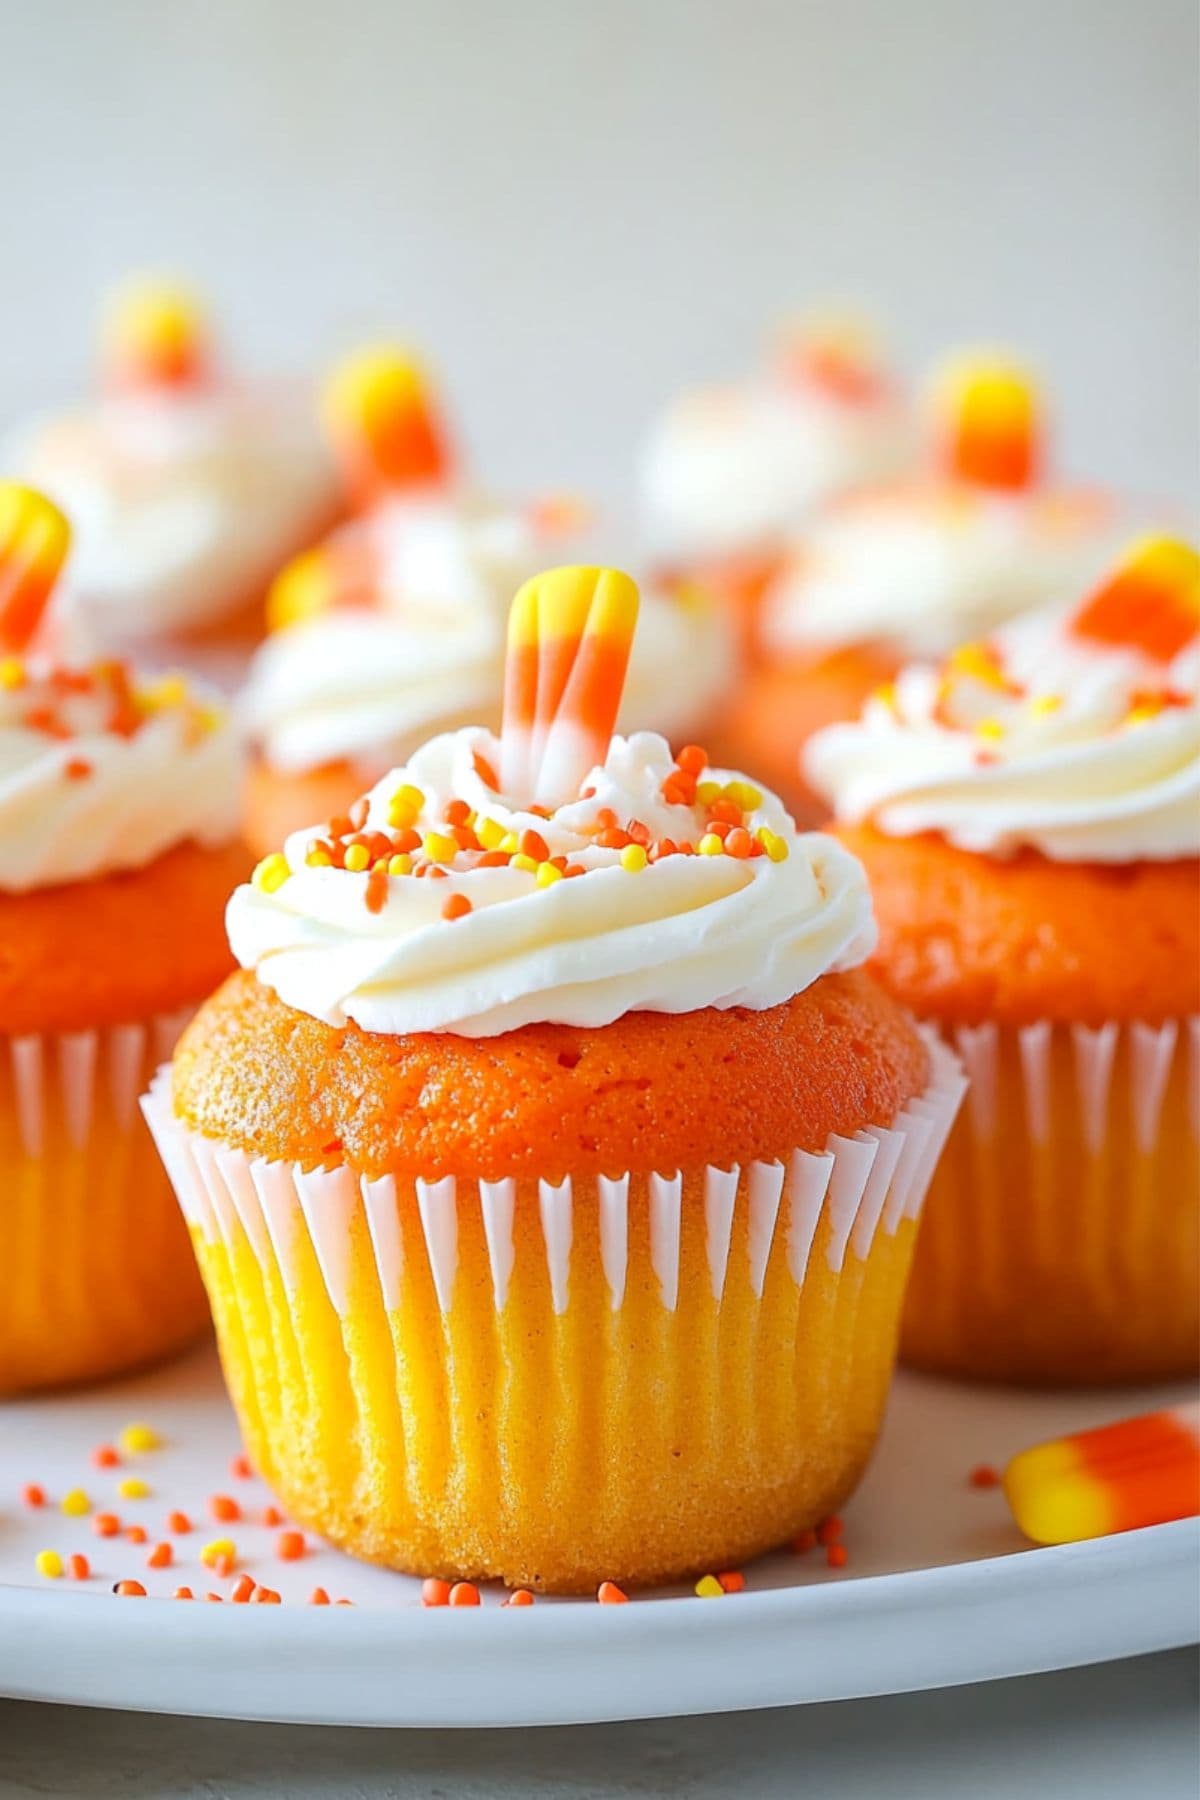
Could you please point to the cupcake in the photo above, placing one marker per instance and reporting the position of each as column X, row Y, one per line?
column 911, row 569
column 393, row 629
column 1029, row 818
column 118, row 848
column 186, row 488
column 552, row 1165
column 728, row 474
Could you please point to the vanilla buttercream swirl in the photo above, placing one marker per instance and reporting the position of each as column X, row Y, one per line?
column 679, row 933
column 99, row 775
column 1039, row 741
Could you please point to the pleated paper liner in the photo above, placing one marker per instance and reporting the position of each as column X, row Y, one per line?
column 557, row 1382
column 99, row 1276
column 1060, row 1241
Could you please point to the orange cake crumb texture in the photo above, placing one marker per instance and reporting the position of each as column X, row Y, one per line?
column 118, row 948
column 966, row 938
column 652, row 1091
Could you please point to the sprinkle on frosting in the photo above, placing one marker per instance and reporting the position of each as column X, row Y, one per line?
column 599, row 875
column 1076, row 733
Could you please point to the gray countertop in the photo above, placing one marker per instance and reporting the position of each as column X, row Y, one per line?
column 1105, row 1733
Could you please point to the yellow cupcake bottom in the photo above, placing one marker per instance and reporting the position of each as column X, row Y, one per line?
column 1061, row 1237
column 98, row 1271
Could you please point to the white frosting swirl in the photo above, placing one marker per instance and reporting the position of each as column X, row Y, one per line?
column 921, row 567
column 1084, row 753
column 422, row 650
column 181, row 505
column 80, row 799
column 732, row 469
column 684, row 932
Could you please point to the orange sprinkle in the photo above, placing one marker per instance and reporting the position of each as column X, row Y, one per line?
column 136, row 1534
column 183, row 1593
column 532, row 843
column 984, row 1476
column 271, row 1515
column 239, row 1467
column 493, row 859
column 829, row 1530
column 104, row 1456
column 727, row 810
column 613, row 838
column 574, row 869
column 638, row 833
column 179, row 1523
column 464, row 1593
column 739, row 843
column 485, row 772
column 377, row 888
column 343, row 1602
column 677, row 790
column 835, row 1556
column 803, row 1542
column 435, row 1592
column 222, row 1565
column 129, row 1587
column 357, row 815
column 33, row 1494
column 77, row 768
column 733, row 1581
column 519, row 1597
column 105, row 1524
column 78, row 1567
column 318, row 1597
column 692, row 759
column 265, row 1596
column 217, row 1597
column 243, row 1587
column 458, row 813
column 609, row 1594
column 224, row 1507
column 457, row 907
column 161, row 1557
column 290, row 1546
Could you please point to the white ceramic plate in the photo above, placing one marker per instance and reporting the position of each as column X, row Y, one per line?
column 938, row 1588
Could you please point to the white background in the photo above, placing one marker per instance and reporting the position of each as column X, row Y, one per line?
column 576, row 207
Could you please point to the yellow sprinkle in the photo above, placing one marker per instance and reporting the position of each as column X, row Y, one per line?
column 271, row 873
column 711, row 845
column 357, row 858
column 708, row 791
column 510, row 842
column 76, row 1503
column 775, row 846
column 521, row 861
column 133, row 1488
column 217, row 1547
column 744, row 794
column 319, row 859
column 633, row 857
column 439, row 848
column 49, row 1563
column 401, row 816
column 399, row 864
column 168, row 690
column 886, row 695
column 490, row 834
column 989, row 728
column 1141, row 715
column 547, row 874
column 1045, row 703
column 408, row 795
column 12, row 671
column 137, row 1439
column 977, row 663
column 709, row 1588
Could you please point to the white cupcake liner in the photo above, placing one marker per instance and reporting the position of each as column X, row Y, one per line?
column 1151, row 1053
column 861, row 1185
column 74, row 1075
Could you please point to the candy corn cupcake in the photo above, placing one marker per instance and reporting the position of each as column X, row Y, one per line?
column 1029, row 818
column 393, row 629
column 911, row 569
column 728, row 474
column 118, row 822
column 552, row 1165
column 187, row 489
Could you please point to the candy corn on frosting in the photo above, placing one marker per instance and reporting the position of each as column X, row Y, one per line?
column 591, row 1157
column 118, row 844
column 186, row 488
column 1029, row 816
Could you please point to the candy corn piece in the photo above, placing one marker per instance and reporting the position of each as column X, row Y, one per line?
column 34, row 540
column 987, row 418
column 1150, row 602
column 155, row 335
column 838, row 353
column 569, row 637
column 1141, row 1471
column 385, row 425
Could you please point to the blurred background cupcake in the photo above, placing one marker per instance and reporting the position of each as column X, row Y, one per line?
column 978, row 535
column 187, row 486
column 393, row 628
column 118, row 849
column 1029, row 818
column 592, row 1157
column 728, row 474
